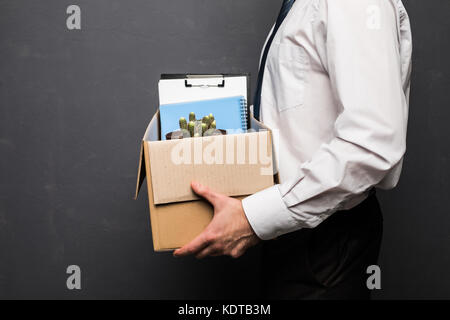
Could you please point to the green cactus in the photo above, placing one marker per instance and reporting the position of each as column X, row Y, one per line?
column 197, row 128
column 191, row 127
column 204, row 127
column 183, row 123
column 206, row 120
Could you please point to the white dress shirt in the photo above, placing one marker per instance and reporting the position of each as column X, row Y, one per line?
column 336, row 90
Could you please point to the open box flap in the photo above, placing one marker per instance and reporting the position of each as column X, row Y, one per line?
column 141, row 172
column 151, row 134
column 256, row 125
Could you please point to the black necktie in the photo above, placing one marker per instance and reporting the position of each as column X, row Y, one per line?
column 287, row 5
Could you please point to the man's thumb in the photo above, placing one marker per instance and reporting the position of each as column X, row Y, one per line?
column 204, row 191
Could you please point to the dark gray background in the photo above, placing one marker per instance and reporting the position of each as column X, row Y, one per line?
column 74, row 105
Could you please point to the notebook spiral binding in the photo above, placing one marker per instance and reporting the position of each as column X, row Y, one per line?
column 244, row 114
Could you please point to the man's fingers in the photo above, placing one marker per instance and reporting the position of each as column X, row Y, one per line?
column 193, row 247
column 208, row 251
column 205, row 192
column 238, row 251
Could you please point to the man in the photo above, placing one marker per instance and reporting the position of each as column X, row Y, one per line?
column 334, row 81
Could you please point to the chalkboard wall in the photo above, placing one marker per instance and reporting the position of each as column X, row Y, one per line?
column 75, row 103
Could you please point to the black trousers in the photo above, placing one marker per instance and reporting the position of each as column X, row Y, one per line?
column 328, row 262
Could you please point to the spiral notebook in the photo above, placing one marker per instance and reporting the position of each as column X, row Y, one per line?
column 230, row 114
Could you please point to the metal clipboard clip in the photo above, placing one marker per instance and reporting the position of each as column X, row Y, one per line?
column 190, row 82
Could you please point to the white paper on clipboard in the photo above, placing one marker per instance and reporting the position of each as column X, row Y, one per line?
column 176, row 91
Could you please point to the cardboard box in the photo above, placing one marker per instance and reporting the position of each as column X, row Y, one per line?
column 236, row 165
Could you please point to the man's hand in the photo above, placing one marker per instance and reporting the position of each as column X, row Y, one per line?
column 229, row 233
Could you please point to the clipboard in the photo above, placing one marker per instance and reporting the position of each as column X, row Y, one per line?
column 177, row 88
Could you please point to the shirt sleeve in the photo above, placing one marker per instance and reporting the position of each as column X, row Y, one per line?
column 359, row 48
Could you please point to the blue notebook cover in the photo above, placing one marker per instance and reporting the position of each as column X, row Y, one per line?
column 229, row 113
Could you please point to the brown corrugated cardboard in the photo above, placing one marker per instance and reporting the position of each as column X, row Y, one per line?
column 177, row 215
column 173, row 165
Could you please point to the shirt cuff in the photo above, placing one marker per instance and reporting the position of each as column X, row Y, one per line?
column 268, row 215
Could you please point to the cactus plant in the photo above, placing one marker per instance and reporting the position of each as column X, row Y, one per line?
column 191, row 128
column 183, row 123
column 197, row 128
column 206, row 120
column 204, row 127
